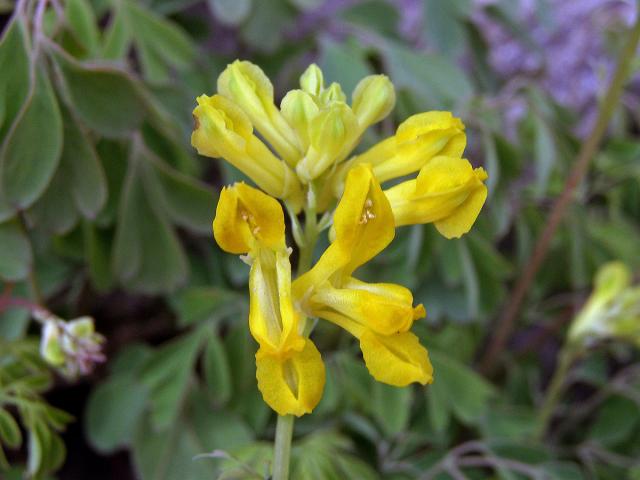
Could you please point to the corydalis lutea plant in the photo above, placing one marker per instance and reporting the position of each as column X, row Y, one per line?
column 309, row 166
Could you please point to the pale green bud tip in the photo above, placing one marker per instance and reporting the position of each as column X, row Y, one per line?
column 611, row 279
column 312, row 81
column 333, row 94
column 81, row 327
column 373, row 99
column 50, row 346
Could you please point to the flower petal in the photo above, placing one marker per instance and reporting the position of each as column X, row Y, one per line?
column 246, row 218
column 272, row 319
column 385, row 308
column 396, row 359
column 363, row 219
column 291, row 385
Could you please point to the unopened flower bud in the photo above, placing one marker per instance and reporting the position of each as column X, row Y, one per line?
column 373, row 98
column 299, row 108
column 50, row 347
column 248, row 86
column 333, row 94
column 74, row 347
column 329, row 132
column 312, row 81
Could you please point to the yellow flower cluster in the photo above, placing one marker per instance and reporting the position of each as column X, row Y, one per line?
column 308, row 165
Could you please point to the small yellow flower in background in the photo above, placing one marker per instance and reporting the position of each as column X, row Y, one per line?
column 612, row 310
column 309, row 164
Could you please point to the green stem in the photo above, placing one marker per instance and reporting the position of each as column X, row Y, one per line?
column 282, row 447
column 284, row 426
column 555, row 389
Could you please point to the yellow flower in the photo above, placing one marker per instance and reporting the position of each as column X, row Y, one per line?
column 248, row 86
column 289, row 369
column 378, row 314
column 448, row 192
column 223, row 130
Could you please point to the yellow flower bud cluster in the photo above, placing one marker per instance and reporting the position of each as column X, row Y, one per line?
column 308, row 163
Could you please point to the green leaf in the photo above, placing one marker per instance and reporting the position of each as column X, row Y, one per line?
column 197, row 304
column 15, row 254
column 55, row 211
column 97, row 245
column 113, row 411
column 544, row 154
column 14, row 81
column 167, row 375
column 158, row 41
column 82, row 21
column 26, row 164
column 217, row 372
column 146, row 251
column 230, row 12
column 391, row 407
column 432, row 78
column 615, row 422
column 467, row 393
column 10, row 433
column 105, row 98
column 117, row 37
column 343, row 63
column 80, row 163
column 188, row 202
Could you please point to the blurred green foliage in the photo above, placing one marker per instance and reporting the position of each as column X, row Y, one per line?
column 101, row 192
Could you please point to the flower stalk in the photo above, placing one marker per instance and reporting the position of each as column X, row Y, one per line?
column 282, row 447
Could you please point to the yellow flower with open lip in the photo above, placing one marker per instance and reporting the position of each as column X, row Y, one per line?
column 448, row 192
column 418, row 139
column 379, row 315
column 224, row 130
column 289, row 368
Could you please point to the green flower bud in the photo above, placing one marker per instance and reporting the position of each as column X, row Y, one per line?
column 373, row 98
column 299, row 108
column 329, row 132
column 312, row 81
column 333, row 94
column 50, row 344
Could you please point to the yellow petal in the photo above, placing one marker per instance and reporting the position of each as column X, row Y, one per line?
column 272, row 319
column 448, row 192
column 246, row 217
column 397, row 359
column 329, row 265
column 463, row 218
column 382, row 307
column 223, row 130
column 363, row 219
column 419, row 139
column 248, row 86
column 292, row 385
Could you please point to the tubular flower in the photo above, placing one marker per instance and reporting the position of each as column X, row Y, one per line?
column 378, row 314
column 448, row 193
column 417, row 140
column 224, row 130
column 289, row 369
